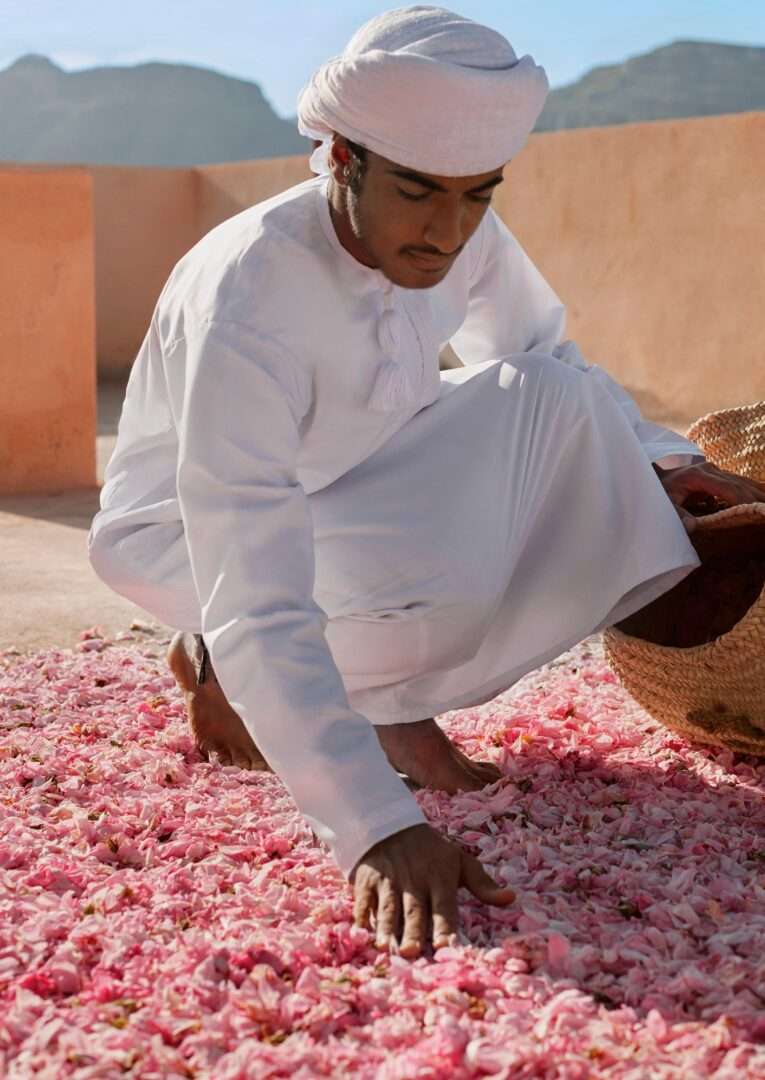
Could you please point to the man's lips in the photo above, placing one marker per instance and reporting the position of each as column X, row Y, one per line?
column 426, row 261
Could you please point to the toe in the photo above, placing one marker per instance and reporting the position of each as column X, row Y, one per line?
column 489, row 769
column 477, row 774
column 223, row 755
column 246, row 755
column 484, row 769
column 486, row 775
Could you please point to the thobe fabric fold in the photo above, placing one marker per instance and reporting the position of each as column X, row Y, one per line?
column 240, row 474
column 532, row 312
column 254, row 496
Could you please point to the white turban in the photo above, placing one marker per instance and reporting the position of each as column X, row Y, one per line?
column 428, row 89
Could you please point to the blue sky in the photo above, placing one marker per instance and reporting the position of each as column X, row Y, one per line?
column 278, row 44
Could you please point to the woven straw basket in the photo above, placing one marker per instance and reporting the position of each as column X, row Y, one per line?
column 714, row 692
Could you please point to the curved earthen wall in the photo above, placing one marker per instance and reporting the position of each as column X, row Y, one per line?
column 145, row 220
column 651, row 233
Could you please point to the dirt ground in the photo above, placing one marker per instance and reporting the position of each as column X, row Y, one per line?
column 48, row 589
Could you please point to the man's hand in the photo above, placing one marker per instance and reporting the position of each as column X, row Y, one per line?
column 692, row 485
column 410, row 879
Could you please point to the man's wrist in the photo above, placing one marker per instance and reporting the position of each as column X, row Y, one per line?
column 409, row 814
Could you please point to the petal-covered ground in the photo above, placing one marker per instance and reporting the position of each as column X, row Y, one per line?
column 162, row 917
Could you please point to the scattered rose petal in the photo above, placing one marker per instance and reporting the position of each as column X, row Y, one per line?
column 161, row 916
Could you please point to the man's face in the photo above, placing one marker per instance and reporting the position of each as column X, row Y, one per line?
column 412, row 225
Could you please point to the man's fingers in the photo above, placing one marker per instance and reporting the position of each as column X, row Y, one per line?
column 388, row 911
column 708, row 482
column 443, row 904
column 677, row 498
column 756, row 492
column 363, row 902
column 735, row 493
column 688, row 520
column 727, row 487
column 415, row 925
column 474, row 877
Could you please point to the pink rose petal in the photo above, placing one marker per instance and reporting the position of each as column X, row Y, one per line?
column 162, row 916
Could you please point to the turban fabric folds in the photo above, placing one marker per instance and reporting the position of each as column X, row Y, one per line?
column 429, row 90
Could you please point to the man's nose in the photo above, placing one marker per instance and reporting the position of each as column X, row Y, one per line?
column 444, row 229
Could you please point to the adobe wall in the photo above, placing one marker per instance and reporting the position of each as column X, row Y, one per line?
column 145, row 220
column 651, row 233
column 47, row 343
column 225, row 190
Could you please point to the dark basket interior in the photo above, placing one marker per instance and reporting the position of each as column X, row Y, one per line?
column 713, row 598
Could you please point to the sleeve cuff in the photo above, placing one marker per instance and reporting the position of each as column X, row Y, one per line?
column 352, row 847
column 676, row 461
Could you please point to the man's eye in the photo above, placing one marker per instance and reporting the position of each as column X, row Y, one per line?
column 481, row 198
column 413, row 198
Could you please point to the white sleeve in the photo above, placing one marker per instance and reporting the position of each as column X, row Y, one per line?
column 248, row 528
column 513, row 309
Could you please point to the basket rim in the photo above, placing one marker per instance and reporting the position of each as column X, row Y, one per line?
column 732, row 516
column 754, row 410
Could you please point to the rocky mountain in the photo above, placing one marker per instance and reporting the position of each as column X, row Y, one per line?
column 150, row 114
column 686, row 78
column 177, row 114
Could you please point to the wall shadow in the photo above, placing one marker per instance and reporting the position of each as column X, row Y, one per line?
column 75, row 509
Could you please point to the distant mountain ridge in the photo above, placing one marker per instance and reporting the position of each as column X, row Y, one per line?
column 179, row 115
column 150, row 114
column 686, row 78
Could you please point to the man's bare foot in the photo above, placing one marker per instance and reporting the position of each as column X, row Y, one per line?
column 420, row 750
column 216, row 727
column 427, row 756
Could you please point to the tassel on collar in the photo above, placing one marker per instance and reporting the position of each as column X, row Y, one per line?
column 392, row 389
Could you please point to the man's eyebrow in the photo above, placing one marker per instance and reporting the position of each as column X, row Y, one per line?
column 487, row 185
column 424, row 181
column 416, row 178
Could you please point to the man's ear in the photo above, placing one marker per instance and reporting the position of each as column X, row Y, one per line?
column 339, row 160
